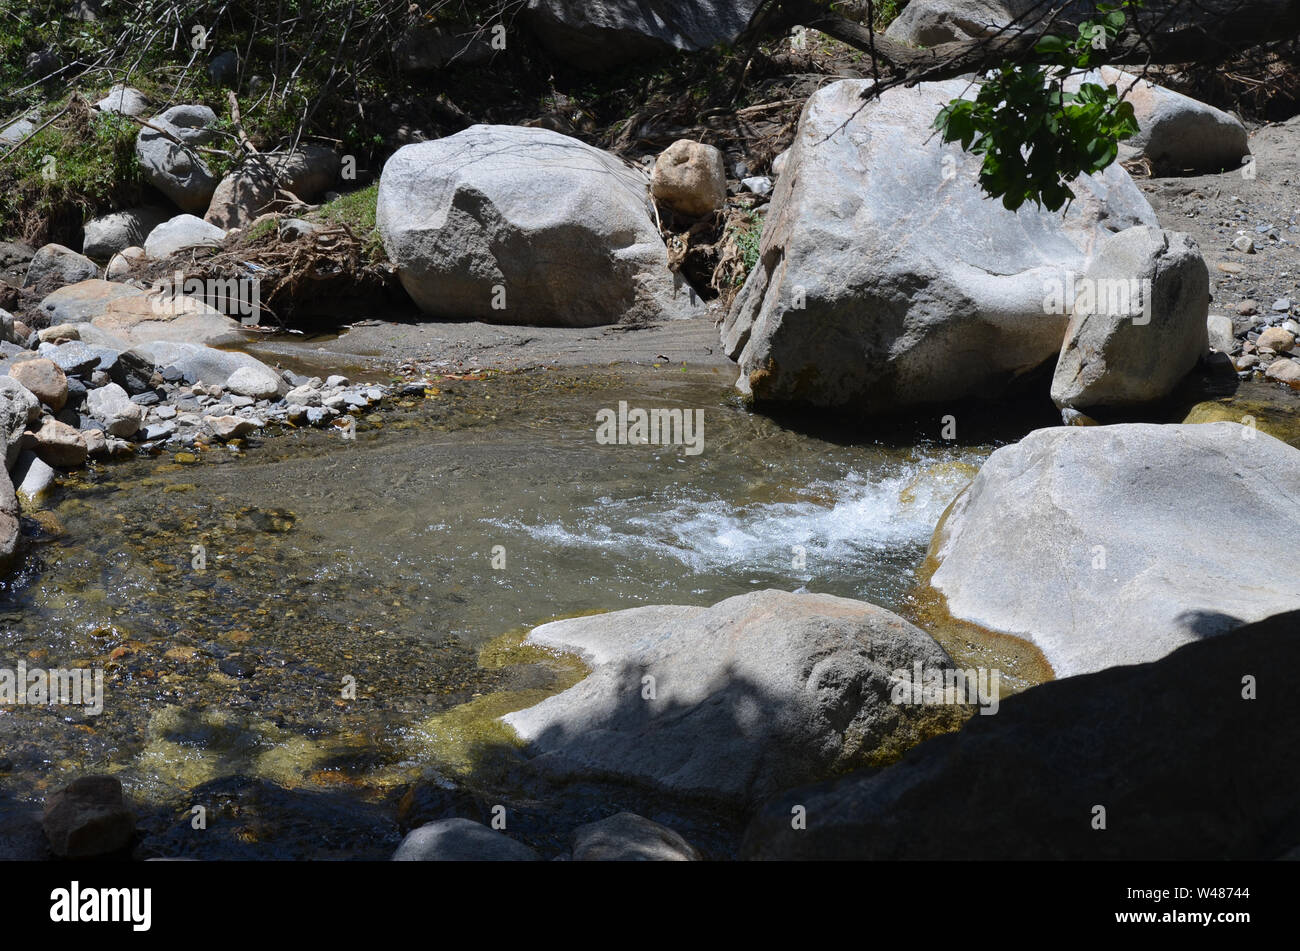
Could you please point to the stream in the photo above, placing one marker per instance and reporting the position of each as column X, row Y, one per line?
column 234, row 601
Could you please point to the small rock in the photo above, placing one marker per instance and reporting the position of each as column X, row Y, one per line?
column 333, row 381
column 229, row 427
column 60, row 445
column 690, row 177
column 44, row 380
column 1282, row 305
column 96, row 442
column 303, row 396
column 124, row 100
column 88, row 818
column 1221, row 333
column 156, row 431
column 73, row 358
column 32, row 477
column 120, row 264
column 291, row 229
column 1284, row 371
column 627, row 837
column 461, row 840
column 759, row 184
column 59, row 333
column 1276, row 339
column 1245, row 244
column 111, row 404
column 256, row 382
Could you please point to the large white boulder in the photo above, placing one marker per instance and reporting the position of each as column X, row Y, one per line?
column 887, row 278
column 525, row 226
column 735, row 701
column 1108, row 545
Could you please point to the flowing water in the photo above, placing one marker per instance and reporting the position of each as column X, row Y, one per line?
column 235, row 601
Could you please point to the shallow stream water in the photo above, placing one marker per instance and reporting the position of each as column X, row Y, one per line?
column 233, row 600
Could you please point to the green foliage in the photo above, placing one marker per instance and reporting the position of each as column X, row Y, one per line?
column 354, row 209
column 747, row 236
column 71, row 169
column 357, row 211
column 1033, row 135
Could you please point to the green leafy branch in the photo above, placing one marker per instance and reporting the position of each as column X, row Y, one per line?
column 1034, row 136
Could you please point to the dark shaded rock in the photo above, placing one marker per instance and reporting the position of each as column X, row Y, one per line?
column 88, row 818
column 461, row 840
column 627, row 837
column 1184, row 766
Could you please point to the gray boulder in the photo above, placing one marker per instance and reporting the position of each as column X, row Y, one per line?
column 207, row 365
column 176, row 168
column 124, row 100
column 18, row 410
column 601, row 34
column 55, row 266
column 525, row 226
column 16, row 131
column 887, row 279
column 627, row 837
column 744, row 698
column 110, row 234
column 252, row 188
column 1184, row 764
column 179, row 233
column 1176, row 133
column 932, row 22
column 121, row 315
column 426, row 47
column 461, row 840
column 10, row 516
column 1099, row 544
column 1142, row 325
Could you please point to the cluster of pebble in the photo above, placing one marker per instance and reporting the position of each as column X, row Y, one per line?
column 64, row 400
